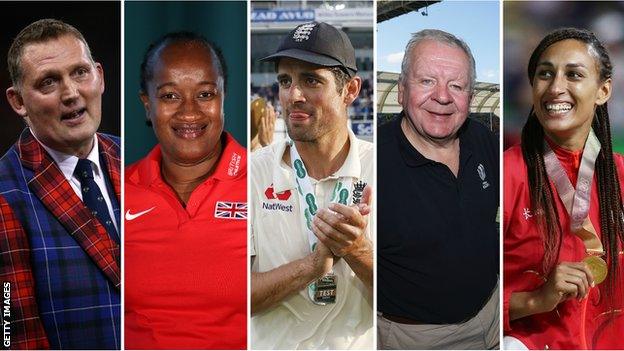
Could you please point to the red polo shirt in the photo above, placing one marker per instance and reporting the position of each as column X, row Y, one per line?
column 186, row 268
column 574, row 324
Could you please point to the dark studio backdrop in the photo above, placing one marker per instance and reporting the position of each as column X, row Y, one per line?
column 99, row 23
column 223, row 23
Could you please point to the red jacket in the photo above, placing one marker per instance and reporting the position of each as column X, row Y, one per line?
column 564, row 327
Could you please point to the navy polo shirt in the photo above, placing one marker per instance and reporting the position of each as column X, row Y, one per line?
column 438, row 241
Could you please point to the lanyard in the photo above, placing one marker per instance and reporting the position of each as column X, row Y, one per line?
column 322, row 291
column 577, row 200
column 308, row 205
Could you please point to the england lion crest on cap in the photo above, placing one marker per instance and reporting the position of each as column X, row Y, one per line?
column 303, row 32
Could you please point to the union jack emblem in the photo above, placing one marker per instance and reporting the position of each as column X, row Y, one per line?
column 233, row 210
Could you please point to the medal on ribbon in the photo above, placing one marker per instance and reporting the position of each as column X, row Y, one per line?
column 324, row 290
column 598, row 267
column 577, row 200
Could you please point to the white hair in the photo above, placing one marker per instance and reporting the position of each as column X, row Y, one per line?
column 442, row 37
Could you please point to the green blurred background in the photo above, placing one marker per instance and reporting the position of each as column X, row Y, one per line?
column 222, row 22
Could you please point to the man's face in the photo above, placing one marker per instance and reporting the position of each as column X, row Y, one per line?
column 185, row 103
column 435, row 92
column 60, row 95
column 312, row 106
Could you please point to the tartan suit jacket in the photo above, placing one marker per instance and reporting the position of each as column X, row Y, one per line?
column 32, row 186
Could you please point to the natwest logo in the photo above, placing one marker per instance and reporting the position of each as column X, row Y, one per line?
column 271, row 195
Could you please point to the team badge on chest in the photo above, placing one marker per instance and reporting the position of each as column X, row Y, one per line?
column 231, row 210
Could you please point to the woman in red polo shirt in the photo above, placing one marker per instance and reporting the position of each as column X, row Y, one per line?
column 185, row 244
column 563, row 216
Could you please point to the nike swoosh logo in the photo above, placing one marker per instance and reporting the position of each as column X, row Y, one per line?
column 130, row 216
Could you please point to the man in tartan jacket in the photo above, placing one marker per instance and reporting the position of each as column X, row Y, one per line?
column 59, row 258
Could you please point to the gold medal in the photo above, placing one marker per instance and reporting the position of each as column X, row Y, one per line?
column 598, row 267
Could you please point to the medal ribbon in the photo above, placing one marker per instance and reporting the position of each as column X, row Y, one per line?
column 308, row 204
column 577, row 201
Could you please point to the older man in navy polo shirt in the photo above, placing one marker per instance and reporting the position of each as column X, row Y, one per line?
column 439, row 193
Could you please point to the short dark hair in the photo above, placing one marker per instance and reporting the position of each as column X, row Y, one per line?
column 38, row 32
column 341, row 77
column 147, row 66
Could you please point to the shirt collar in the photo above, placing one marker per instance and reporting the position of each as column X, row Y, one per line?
column 231, row 164
column 233, row 160
column 410, row 155
column 283, row 178
column 67, row 163
column 413, row 157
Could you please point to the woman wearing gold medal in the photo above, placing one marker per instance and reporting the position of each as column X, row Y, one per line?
column 563, row 216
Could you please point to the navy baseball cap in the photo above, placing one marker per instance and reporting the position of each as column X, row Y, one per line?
column 318, row 43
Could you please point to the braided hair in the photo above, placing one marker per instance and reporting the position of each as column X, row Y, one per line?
column 541, row 194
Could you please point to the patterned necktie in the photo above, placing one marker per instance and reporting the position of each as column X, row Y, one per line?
column 93, row 198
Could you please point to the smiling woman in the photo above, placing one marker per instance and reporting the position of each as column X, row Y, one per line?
column 567, row 87
column 563, row 228
column 183, row 100
column 186, row 207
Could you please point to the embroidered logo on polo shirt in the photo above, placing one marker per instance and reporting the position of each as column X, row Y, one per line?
column 277, row 207
column 132, row 216
column 272, row 195
column 234, row 164
column 527, row 213
column 481, row 172
column 231, row 210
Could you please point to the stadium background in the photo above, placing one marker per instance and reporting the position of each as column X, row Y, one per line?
column 272, row 20
column 485, row 105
